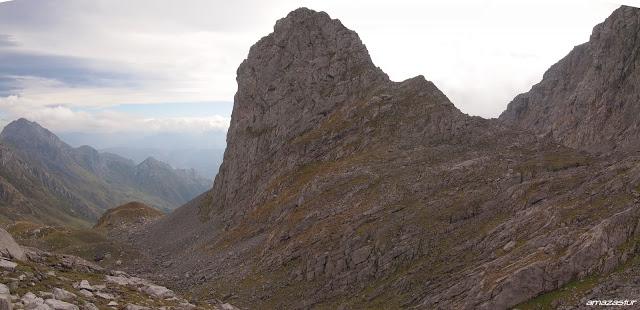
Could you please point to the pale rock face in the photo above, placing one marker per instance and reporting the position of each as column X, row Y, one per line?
column 228, row 307
column 509, row 246
column 85, row 293
column 118, row 280
column 135, row 307
column 104, row 295
column 60, row 305
column 62, row 294
column 84, row 285
column 30, row 297
column 158, row 291
column 7, row 265
column 8, row 247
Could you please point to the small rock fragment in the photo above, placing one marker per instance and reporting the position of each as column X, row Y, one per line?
column 84, row 285
column 85, row 293
column 135, row 307
column 509, row 246
column 62, row 294
column 106, row 296
column 7, row 265
column 60, row 305
column 90, row 306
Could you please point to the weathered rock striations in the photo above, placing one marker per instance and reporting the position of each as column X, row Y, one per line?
column 341, row 188
column 591, row 98
column 292, row 80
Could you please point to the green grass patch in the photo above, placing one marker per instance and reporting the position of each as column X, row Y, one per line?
column 570, row 293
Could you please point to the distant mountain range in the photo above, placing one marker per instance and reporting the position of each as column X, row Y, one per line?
column 203, row 160
column 201, row 151
column 45, row 180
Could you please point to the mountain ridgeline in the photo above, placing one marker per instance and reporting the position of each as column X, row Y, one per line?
column 343, row 189
column 589, row 99
column 42, row 179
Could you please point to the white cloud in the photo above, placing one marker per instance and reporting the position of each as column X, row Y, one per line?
column 480, row 53
column 64, row 119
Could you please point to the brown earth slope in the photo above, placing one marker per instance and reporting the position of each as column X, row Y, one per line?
column 340, row 187
column 127, row 214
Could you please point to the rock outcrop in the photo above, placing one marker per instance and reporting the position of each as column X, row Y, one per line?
column 128, row 214
column 127, row 218
column 51, row 281
column 591, row 98
column 341, row 188
column 8, row 247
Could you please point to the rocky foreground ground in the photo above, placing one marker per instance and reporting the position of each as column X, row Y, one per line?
column 36, row 279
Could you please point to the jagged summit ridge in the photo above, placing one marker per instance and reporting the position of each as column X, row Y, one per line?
column 292, row 80
column 589, row 99
column 294, row 70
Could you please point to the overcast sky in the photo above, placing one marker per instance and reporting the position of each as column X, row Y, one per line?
column 169, row 66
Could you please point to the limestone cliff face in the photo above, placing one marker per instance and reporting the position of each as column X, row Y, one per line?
column 591, row 98
column 340, row 187
column 292, row 79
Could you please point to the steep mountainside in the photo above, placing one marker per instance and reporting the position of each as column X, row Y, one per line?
column 45, row 180
column 591, row 98
column 29, row 192
column 341, row 188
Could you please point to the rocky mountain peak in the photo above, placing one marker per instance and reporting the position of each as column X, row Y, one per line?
column 291, row 82
column 152, row 163
column 297, row 74
column 30, row 135
column 312, row 80
column 589, row 99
